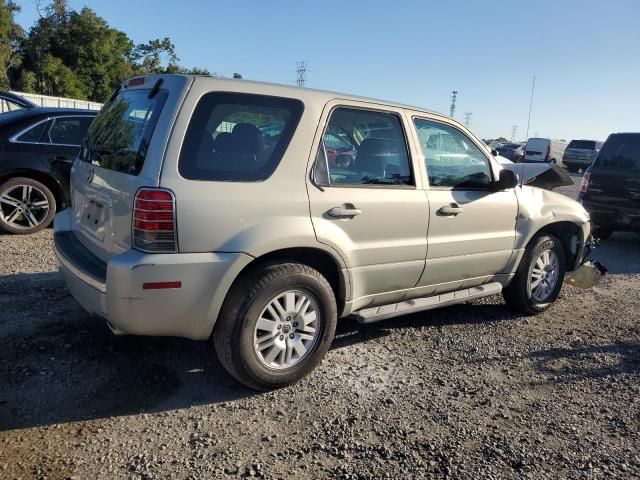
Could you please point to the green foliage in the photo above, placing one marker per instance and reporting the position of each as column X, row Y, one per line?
column 77, row 54
column 11, row 35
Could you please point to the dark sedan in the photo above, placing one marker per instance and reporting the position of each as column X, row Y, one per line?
column 37, row 147
column 512, row 151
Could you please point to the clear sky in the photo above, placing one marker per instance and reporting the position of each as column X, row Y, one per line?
column 585, row 53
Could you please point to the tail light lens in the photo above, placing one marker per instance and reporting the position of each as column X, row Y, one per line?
column 546, row 157
column 154, row 221
column 584, row 186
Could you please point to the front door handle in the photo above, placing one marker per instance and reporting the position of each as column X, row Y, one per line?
column 345, row 211
column 450, row 210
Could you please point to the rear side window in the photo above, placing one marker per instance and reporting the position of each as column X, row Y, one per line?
column 69, row 131
column 33, row 134
column 582, row 144
column 119, row 136
column 620, row 152
column 238, row 137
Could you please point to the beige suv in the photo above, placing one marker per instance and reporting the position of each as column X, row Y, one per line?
column 257, row 215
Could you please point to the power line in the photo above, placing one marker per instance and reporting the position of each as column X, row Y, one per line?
column 301, row 70
column 454, row 94
column 514, row 129
column 467, row 119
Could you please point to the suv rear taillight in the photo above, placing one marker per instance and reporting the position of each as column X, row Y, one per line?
column 546, row 156
column 584, row 186
column 154, row 221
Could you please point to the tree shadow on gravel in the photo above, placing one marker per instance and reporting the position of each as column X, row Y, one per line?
column 58, row 364
column 588, row 361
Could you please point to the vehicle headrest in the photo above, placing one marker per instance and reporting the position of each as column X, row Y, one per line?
column 372, row 156
column 223, row 143
column 247, row 139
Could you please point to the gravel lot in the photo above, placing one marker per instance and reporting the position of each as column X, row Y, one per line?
column 472, row 391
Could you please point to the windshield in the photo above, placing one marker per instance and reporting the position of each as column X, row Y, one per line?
column 119, row 137
column 583, row 144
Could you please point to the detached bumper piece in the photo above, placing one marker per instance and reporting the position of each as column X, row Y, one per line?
column 587, row 275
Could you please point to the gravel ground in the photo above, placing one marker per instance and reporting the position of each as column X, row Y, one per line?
column 472, row 391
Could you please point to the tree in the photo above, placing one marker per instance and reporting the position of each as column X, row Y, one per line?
column 77, row 54
column 11, row 36
column 152, row 56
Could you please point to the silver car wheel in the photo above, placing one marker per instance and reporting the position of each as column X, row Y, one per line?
column 287, row 329
column 543, row 276
column 23, row 207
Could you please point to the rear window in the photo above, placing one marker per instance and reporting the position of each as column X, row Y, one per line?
column 119, row 136
column 237, row 137
column 620, row 152
column 33, row 134
column 583, row 144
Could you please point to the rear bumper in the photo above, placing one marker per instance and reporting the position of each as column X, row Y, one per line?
column 577, row 162
column 620, row 218
column 114, row 291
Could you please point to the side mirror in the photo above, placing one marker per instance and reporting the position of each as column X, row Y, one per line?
column 494, row 152
column 508, row 179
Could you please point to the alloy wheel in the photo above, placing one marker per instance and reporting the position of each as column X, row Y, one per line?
column 287, row 329
column 543, row 276
column 23, row 207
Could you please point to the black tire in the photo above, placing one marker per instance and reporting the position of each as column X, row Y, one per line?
column 21, row 226
column 233, row 335
column 517, row 294
column 602, row 233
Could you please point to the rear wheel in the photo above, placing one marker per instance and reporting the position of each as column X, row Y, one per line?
column 26, row 206
column 276, row 325
column 539, row 277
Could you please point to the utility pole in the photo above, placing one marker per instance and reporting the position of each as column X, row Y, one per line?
column 530, row 105
column 301, row 70
column 454, row 94
column 514, row 129
column 467, row 119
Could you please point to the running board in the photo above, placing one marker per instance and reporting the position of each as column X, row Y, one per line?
column 375, row 314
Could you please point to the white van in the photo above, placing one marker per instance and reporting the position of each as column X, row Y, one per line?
column 544, row 150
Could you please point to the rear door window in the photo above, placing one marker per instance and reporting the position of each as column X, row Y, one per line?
column 620, row 152
column 237, row 137
column 363, row 148
column 119, row 136
column 68, row 130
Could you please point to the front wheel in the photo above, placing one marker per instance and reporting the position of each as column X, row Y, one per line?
column 276, row 325
column 539, row 277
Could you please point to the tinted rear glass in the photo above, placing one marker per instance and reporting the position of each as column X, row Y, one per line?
column 237, row 137
column 584, row 144
column 119, row 137
column 620, row 152
column 69, row 131
column 33, row 134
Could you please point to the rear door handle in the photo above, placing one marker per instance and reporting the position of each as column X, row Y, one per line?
column 450, row 210
column 346, row 211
